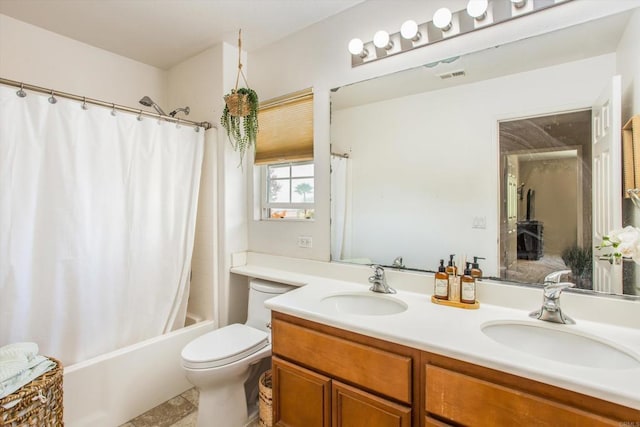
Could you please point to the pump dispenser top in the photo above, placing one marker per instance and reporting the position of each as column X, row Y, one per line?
column 476, row 272
column 451, row 266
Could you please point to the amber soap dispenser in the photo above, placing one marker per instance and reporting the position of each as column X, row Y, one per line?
column 441, row 285
column 468, row 286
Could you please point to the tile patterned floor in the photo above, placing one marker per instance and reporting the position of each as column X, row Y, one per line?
column 180, row 411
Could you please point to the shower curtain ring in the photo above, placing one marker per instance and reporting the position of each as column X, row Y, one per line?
column 113, row 110
column 140, row 116
column 84, row 103
column 21, row 93
column 178, row 124
column 52, row 98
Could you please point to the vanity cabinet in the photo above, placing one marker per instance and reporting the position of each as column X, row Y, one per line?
column 459, row 393
column 324, row 377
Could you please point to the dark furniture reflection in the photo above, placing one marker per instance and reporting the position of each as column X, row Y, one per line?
column 530, row 241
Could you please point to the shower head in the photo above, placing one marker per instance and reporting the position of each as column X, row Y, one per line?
column 186, row 111
column 148, row 102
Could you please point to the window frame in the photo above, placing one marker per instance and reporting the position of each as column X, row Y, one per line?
column 266, row 206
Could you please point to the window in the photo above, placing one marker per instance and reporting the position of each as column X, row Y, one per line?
column 284, row 151
column 288, row 191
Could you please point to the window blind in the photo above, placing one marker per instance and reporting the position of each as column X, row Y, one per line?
column 285, row 129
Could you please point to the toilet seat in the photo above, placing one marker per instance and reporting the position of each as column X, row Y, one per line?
column 223, row 346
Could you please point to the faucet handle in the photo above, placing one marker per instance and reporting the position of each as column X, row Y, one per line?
column 553, row 290
column 379, row 271
column 555, row 276
column 397, row 262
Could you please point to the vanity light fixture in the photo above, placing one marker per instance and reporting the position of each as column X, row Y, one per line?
column 356, row 47
column 477, row 9
column 409, row 30
column 381, row 40
column 445, row 24
column 442, row 19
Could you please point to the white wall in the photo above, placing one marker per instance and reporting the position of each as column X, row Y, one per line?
column 197, row 82
column 317, row 56
column 36, row 56
column 440, row 167
column 556, row 196
column 232, row 206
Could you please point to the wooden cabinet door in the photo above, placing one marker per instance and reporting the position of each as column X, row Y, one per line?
column 353, row 407
column 301, row 398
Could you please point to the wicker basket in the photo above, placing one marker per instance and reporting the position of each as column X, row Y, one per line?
column 39, row 403
column 238, row 104
column 266, row 406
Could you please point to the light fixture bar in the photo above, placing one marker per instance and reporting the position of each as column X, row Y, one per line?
column 478, row 14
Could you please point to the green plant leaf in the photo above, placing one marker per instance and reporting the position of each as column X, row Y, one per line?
column 242, row 131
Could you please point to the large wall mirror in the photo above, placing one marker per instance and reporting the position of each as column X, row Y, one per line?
column 485, row 155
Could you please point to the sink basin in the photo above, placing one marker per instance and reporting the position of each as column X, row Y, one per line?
column 560, row 346
column 363, row 303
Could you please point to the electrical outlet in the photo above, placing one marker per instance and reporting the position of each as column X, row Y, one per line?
column 305, row 241
column 479, row 222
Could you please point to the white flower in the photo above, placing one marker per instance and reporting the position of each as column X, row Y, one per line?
column 624, row 241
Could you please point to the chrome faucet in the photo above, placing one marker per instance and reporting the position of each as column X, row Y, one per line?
column 550, row 310
column 397, row 263
column 379, row 281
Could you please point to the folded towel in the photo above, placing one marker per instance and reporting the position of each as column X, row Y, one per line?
column 36, row 367
column 12, row 367
column 24, row 350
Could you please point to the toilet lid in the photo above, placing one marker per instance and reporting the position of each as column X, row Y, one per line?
column 223, row 346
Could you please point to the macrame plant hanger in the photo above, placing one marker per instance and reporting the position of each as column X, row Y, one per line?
column 238, row 103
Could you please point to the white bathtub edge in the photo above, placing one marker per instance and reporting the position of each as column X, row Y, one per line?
column 109, row 390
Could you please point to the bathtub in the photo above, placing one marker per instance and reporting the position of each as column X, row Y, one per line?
column 111, row 389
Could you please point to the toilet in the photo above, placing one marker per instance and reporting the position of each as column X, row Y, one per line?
column 225, row 364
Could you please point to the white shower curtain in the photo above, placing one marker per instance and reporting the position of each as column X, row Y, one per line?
column 340, row 206
column 97, row 220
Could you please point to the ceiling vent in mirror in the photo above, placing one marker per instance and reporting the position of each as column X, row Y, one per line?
column 448, row 75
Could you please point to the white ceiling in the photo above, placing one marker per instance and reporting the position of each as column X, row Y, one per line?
column 163, row 33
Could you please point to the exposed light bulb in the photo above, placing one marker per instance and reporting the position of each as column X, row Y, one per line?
column 477, row 9
column 356, row 47
column 381, row 40
column 442, row 19
column 519, row 3
column 409, row 30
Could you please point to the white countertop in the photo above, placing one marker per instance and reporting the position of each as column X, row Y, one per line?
column 456, row 333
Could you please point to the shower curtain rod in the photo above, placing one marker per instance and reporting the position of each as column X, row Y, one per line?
column 205, row 125
column 343, row 155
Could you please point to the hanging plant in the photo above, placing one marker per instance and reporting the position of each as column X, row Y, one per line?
column 240, row 114
column 240, row 119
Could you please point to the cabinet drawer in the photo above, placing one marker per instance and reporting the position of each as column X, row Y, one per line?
column 377, row 370
column 470, row 401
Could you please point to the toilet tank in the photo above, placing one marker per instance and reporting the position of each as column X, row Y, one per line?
column 258, row 316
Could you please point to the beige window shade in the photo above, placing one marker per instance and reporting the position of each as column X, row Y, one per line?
column 285, row 129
